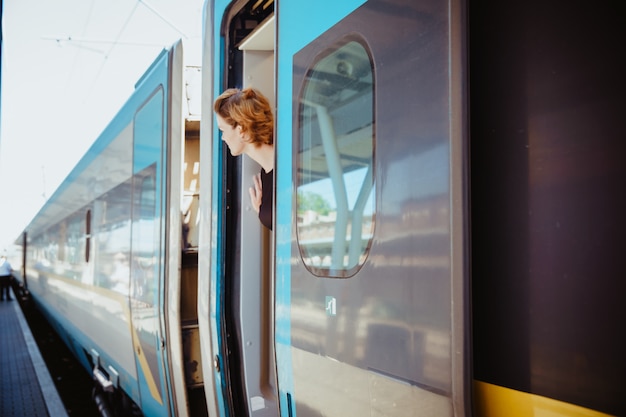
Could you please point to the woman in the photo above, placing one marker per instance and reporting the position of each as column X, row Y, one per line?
column 245, row 119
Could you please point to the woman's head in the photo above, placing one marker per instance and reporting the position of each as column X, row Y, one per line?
column 249, row 110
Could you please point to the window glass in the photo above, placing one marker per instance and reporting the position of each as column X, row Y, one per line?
column 147, row 223
column 112, row 237
column 146, row 252
column 335, row 179
column 75, row 240
column 60, row 249
column 145, row 237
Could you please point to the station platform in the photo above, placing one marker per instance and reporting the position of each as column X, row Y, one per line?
column 26, row 388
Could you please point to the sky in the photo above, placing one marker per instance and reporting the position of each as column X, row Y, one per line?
column 68, row 66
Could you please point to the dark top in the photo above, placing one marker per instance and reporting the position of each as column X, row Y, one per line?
column 265, row 212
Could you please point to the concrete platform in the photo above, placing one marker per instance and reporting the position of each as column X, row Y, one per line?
column 26, row 388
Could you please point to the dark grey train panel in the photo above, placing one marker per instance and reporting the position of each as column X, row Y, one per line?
column 548, row 139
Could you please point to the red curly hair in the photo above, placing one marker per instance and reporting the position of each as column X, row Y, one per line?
column 249, row 109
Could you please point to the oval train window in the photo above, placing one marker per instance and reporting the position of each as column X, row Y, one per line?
column 335, row 162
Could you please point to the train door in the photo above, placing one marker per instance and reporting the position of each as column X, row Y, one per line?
column 164, row 239
column 369, row 230
column 254, row 299
column 236, row 325
column 148, row 250
column 248, row 305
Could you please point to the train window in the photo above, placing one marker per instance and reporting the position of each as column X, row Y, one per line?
column 145, row 236
column 74, row 233
column 146, row 248
column 112, row 225
column 87, row 234
column 335, row 180
column 66, row 245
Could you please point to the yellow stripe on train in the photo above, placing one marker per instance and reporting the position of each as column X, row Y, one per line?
column 496, row 401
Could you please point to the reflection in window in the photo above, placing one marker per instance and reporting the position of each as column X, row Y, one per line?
column 112, row 237
column 74, row 244
column 59, row 249
column 335, row 181
column 146, row 212
column 145, row 237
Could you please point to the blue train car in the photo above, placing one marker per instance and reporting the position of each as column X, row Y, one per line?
column 450, row 141
column 436, row 166
column 105, row 257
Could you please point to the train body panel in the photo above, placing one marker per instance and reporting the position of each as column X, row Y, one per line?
column 547, row 142
column 370, row 283
column 94, row 311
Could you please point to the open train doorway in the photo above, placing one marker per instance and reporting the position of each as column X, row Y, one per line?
column 248, row 285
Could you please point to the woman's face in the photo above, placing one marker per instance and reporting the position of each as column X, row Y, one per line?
column 233, row 137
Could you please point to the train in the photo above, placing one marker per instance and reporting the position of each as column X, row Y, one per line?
column 448, row 219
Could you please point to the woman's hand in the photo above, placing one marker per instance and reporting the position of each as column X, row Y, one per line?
column 256, row 192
